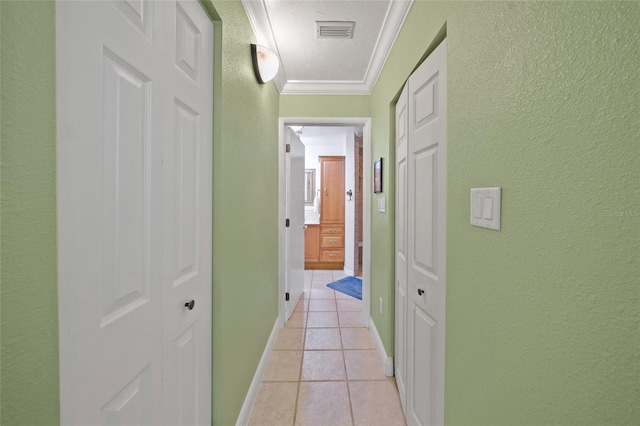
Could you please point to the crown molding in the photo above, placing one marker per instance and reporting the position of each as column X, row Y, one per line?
column 396, row 14
column 325, row 88
column 393, row 22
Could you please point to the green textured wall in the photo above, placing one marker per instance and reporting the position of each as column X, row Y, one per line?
column 29, row 307
column 245, row 220
column 324, row 106
column 543, row 323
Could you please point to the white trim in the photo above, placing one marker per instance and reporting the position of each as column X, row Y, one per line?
column 349, row 272
column 252, row 393
column 366, row 222
column 394, row 20
column 304, row 87
column 282, row 215
column 387, row 361
column 365, row 122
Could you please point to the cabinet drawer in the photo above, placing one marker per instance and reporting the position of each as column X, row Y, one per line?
column 332, row 255
column 337, row 228
column 332, row 241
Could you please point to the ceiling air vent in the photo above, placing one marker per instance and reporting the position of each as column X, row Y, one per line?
column 334, row 29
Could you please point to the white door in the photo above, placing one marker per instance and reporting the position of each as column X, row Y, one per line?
column 116, row 96
column 187, row 196
column 294, row 276
column 402, row 122
column 426, row 240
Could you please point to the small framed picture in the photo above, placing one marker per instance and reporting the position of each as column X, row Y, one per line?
column 377, row 176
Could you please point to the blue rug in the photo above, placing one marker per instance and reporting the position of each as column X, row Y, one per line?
column 348, row 285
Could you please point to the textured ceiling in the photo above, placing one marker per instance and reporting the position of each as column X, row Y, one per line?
column 312, row 65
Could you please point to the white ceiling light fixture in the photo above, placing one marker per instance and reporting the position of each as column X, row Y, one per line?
column 265, row 63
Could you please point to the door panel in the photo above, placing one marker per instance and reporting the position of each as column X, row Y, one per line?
column 294, row 283
column 109, row 186
column 185, row 348
column 125, row 188
column 186, row 182
column 422, row 330
column 187, row 218
column 402, row 122
column 424, row 186
column 130, row 406
column 426, row 227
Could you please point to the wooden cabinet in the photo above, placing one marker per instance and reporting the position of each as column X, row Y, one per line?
column 332, row 213
column 332, row 190
column 311, row 244
column 324, row 243
column 332, row 245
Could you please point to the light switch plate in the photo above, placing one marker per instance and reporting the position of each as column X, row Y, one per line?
column 382, row 204
column 485, row 207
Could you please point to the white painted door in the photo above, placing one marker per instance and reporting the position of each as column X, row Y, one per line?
column 187, row 196
column 294, row 165
column 402, row 123
column 426, row 194
column 116, row 103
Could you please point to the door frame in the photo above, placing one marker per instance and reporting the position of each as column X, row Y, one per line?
column 365, row 122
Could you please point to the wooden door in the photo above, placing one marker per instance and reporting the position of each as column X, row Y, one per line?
column 426, row 230
column 332, row 189
column 402, row 121
column 134, row 211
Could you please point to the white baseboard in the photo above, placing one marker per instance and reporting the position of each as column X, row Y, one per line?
column 252, row 393
column 349, row 272
column 387, row 361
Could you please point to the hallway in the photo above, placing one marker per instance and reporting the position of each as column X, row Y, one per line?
column 324, row 368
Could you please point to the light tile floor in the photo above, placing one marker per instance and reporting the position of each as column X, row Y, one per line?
column 324, row 368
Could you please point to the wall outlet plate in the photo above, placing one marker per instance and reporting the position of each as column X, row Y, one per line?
column 486, row 207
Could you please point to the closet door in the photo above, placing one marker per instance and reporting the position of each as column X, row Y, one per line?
column 402, row 122
column 187, row 213
column 134, row 122
column 426, row 193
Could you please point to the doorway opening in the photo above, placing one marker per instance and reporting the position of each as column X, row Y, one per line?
column 357, row 179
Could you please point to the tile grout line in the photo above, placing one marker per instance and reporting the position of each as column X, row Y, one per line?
column 344, row 364
column 304, row 342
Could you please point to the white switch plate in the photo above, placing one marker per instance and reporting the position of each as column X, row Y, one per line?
column 382, row 204
column 485, row 207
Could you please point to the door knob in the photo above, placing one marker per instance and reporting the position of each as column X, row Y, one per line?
column 420, row 292
column 190, row 304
